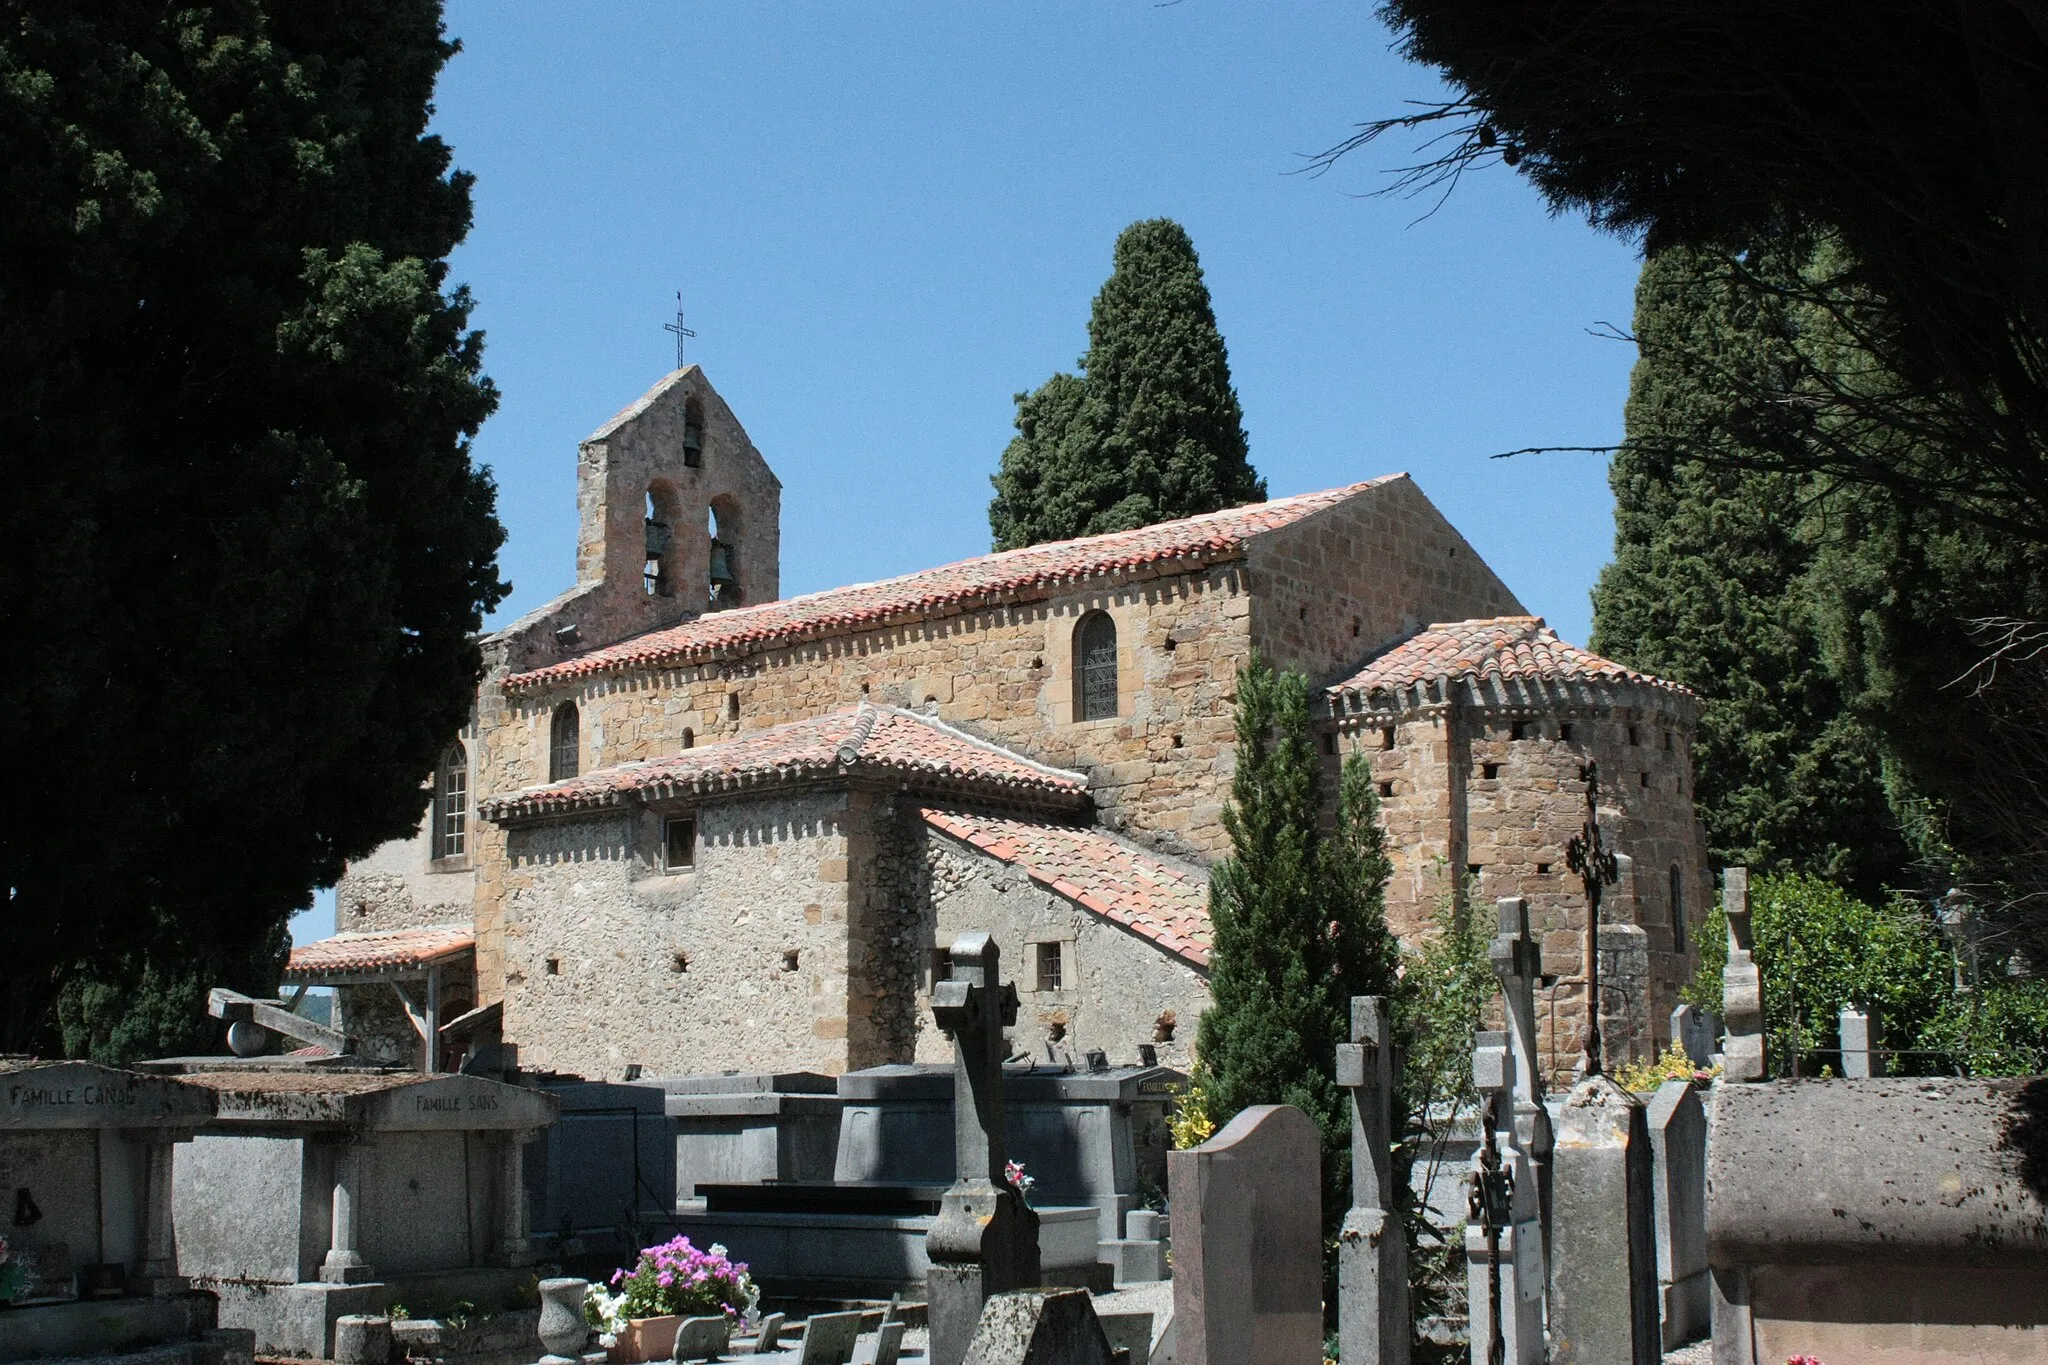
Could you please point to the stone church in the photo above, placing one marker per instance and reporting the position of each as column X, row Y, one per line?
column 697, row 826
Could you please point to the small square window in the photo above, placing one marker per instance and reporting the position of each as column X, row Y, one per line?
column 1386, row 736
column 1386, row 789
column 1564, row 732
column 1645, row 782
column 678, row 844
column 1329, row 744
column 1635, row 736
column 1519, row 730
column 1489, row 770
column 1051, row 969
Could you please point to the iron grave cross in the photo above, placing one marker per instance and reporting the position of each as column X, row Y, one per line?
column 1595, row 864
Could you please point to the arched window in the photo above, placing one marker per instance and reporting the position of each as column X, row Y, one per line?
column 451, row 804
column 1095, row 667
column 564, row 743
column 693, row 433
column 1677, row 910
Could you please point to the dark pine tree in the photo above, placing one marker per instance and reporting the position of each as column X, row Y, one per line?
column 1151, row 430
column 244, row 550
column 1299, row 923
column 1710, row 585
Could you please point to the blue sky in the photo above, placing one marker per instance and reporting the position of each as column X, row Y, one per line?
column 886, row 219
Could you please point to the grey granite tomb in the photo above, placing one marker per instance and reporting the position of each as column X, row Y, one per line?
column 1603, row 1281
column 746, row 1127
column 1248, row 1243
column 1039, row 1327
column 318, row 1192
column 86, row 1155
column 1883, row 1219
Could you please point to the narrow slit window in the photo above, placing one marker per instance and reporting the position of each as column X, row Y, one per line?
column 1677, row 910
column 565, row 743
column 1051, row 969
column 1386, row 737
column 679, row 844
column 1095, row 667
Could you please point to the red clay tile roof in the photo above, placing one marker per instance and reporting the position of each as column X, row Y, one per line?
column 950, row 589
column 1146, row 895
column 1502, row 648
column 879, row 740
column 387, row 948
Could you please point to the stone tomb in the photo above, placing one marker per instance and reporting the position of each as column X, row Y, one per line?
column 1879, row 1220
column 85, row 1170
column 321, row 1192
column 1094, row 1141
column 599, row 1182
column 747, row 1127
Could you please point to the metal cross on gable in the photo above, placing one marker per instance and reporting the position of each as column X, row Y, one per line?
column 678, row 328
column 1595, row 863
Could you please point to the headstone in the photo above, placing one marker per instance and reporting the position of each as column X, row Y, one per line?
column 1603, row 1280
column 1742, row 987
column 829, row 1339
column 702, row 1338
column 1130, row 1332
column 1518, row 962
column 769, row 1338
column 1039, row 1327
column 888, row 1342
column 362, row 1339
column 1504, row 1194
column 1247, row 1221
column 985, row 1240
column 1678, row 1143
column 1698, row 1031
column 1861, row 1058
column 1372, row 1251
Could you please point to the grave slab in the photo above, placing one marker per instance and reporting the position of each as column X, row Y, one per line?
column 1039, row 1328
column 1678, row 1144
column 1603, row 1279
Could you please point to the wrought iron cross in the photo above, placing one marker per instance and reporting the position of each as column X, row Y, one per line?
column 1597, row 869
column 678, row 328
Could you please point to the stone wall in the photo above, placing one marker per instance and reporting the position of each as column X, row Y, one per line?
column 1005, row 674
column 1336, row 587
column 1117, row 991
column 1483, row 804
column 741, row 962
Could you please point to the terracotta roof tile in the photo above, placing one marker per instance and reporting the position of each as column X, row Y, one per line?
column 1145, row 894
column 1495, row 648
column 381, row 950
column 949, row 589
column 879, row 740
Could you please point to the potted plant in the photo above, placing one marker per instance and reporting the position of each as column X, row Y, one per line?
column 637, row 1320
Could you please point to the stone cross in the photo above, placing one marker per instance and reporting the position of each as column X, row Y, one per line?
column 1372, row 1251
column 1742, row 986
column 985, row 1240
column 1518, row 962
column 1509, row 1271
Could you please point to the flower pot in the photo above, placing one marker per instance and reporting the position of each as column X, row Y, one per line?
column 646, row 1339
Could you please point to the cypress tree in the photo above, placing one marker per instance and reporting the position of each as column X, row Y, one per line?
column 1299, row 921
column 1711, row 583
column 1151, row 430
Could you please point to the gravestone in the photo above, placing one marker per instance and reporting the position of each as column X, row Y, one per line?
column 1504, row 1194
column 1742, row 987
column 703, row 1338
column 769, row 1337
column 888, row 1342
column 1372, row 1251
column 1698, row 1031
column 1518, row 961
column 1861, row 1058
column 1678, row 1143
column 1247, row 1224
column 1128, row 1331
column 1039, row 1327
column 829, row 1338
column 1603, row 1283
column 985, row 1240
